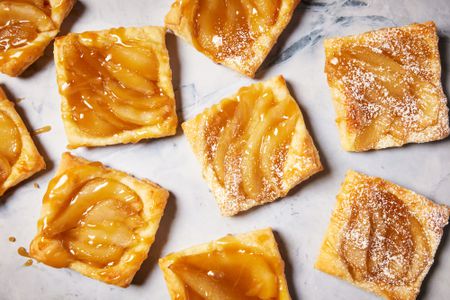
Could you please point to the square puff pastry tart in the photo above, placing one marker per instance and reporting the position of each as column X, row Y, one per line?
column 27, row 27
column 382, row 237
column 98, row 221
column 236, row 33
column 253, row 146
column 116, row 86
column 19, row 158
column 386, row 86
column 234, row 266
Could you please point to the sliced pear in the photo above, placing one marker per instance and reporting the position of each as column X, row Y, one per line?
column 141, row 117
column 246, row 274
column 105, row 233
column 114, row 211
column 204, row 285
column 238, row 113
column 131, row 79
column 134, row 98
column 273, row 143
column 102, row 254
column 251, row 181
column 11, row 144
column 91, row 193
column 137, row 59
column 18, row 11
column 5, row 169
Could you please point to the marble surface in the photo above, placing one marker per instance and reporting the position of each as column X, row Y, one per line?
column 192, row 216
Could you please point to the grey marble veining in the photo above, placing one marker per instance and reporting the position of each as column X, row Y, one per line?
column 300, row 219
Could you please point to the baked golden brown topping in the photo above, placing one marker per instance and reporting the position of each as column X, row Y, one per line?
column 97, row 221
column 382, row 242
column 234, row 271
column 228, row 29
column 112, row 83
column 247, row 141
column 254, row 146
column 22, row 21
column 10, row 147
column 93, row 219
column 387, row 87
column 382, row 237
column 236, row 33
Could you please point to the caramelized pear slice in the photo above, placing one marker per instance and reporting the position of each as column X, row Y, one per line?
column 11, row 144
column 134, row 98
column 5, row 169
column 98, row 254
column 131, row 79
column 90, row 194
column 234, row 272
column 130, row 114
column 204, row 285
column 105, row 233
column 251, row 182
column 21, row 12
column 136, row 59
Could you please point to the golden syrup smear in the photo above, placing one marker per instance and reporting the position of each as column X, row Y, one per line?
column 388, row 84
column 232, row 271
column 42, row 130
column 21, row 21
column 382, row 242
column 94, row 219
column 228, row 29
column 113, row 84
column 10, row 147
column 247, row 141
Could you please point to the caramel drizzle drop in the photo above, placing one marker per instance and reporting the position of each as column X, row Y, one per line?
column 42, row 130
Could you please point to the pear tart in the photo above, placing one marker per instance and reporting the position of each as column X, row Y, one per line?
column 382, row 237
column 116, row 86
column 386, row 86
column 19, row 158
column 26, row 28
column 236, row 33
column 253, row 147
column 97, row 221
column 245, row 266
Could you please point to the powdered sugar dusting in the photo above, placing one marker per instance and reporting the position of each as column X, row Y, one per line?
column 382, row 241
column 390, row 78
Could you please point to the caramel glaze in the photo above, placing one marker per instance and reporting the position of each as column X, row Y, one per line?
column 112, row 84
column 382, row 242
column 21, row 21
column 387, row 84
column 94, row 219
column 10, row 147
column 230, row 271
column 247, row 140
column 228, row 29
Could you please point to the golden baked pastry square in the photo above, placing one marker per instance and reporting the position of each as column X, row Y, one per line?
column 97, row 221
column 26, row 28
column 234, row 267
column 116, row 86
column 238, row 34
column 386, row 87
column 253, row 146
column 19, row 158
column 382, row 237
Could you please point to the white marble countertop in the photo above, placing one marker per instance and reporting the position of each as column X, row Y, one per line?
column 192, row 215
